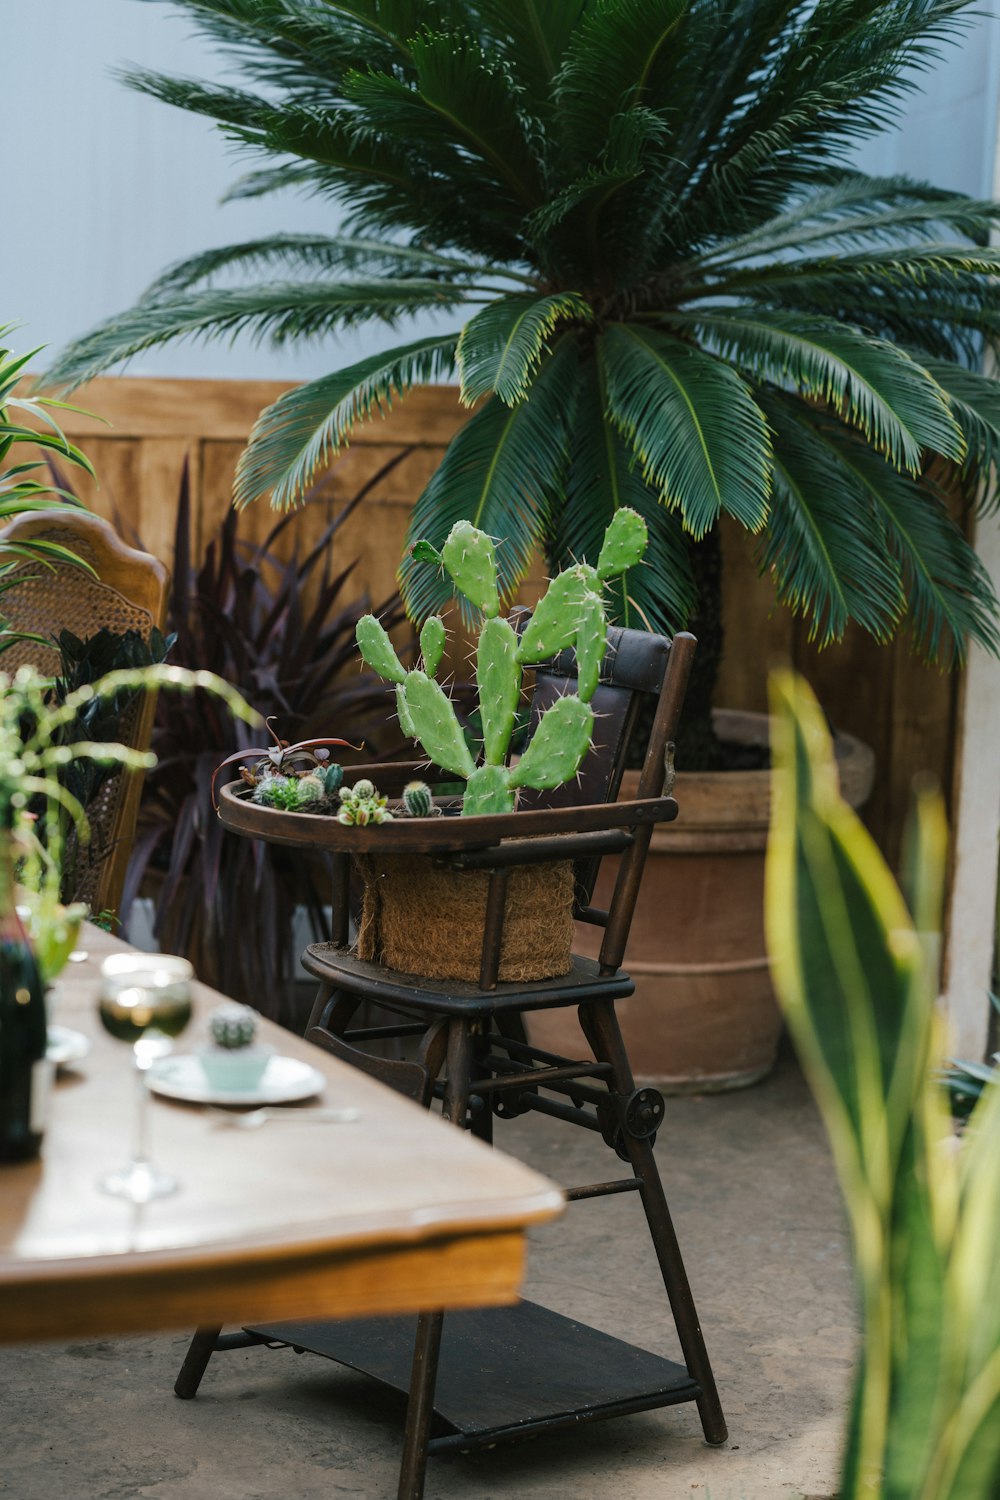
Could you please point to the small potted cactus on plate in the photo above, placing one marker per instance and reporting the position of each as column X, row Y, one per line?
column 234, row 1062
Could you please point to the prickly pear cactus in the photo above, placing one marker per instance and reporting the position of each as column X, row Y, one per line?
column 417, row 799
column 571, row 613
column 233, row 1025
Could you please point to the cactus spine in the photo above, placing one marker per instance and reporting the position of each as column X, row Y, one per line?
column 570, row 614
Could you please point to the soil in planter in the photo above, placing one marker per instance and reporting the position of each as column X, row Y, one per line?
column 423, row 918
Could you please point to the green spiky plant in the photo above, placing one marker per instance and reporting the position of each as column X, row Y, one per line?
column 856, row 974
column 25, row 485
column 669, row 287
column 571, row 613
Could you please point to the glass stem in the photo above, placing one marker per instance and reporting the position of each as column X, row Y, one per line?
column 140, row 1117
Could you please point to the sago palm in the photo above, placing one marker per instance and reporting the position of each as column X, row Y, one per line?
column 669, row 288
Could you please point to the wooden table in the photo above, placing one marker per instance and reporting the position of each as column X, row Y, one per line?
column 393, row 1213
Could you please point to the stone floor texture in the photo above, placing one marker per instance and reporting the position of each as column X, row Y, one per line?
column 751, row 1188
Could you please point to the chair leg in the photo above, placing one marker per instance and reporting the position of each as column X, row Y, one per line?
column 427, row 1348
column 200, row 1351
column 600, row 1025
column 420, row 1407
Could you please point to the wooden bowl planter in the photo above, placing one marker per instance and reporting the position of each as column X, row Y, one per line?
column 425, row 895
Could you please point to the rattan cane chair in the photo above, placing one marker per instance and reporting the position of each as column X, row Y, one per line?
column 475, row 1379
column 127, row 591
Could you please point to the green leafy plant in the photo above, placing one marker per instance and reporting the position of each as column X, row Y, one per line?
column 571, row 613
column 855, row 971
column 25, row 486
column 283, row 628
column 670, row 287
column 38, row 756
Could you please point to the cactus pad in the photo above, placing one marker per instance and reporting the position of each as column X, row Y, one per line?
column 591, row 643
column 624, row 544
column 470, row 557
column 433, row 638
column 436, row 726
column 489, row 791
column 557, row 746
column 377, row 649
column 498, row 677
column 554, row 624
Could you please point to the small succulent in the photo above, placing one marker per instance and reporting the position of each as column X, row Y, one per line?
column 417, row 799
column 571, row 613
column 362, row 804
column 233, row 1025
column 285, row 760
column 313, row 790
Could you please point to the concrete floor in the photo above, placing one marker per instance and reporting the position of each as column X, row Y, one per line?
column 751, row 1188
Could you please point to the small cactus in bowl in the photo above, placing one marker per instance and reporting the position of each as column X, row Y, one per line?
column 234, row 1063
column 362, row 804
column 571, row 613
column 417, row 800
column 232, row 1025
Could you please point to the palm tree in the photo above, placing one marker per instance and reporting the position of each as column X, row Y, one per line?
column 669, row 288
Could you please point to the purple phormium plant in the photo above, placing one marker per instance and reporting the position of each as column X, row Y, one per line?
column 282, row 756
column 283, row 631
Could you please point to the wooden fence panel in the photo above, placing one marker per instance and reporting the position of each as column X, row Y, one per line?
column 906, row 710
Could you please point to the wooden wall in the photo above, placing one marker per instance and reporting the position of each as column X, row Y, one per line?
column 905, row 709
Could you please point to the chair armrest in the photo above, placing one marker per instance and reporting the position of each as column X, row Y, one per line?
column 538, row 850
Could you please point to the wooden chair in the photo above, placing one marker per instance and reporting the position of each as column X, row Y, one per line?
column 129, row 592
column 492, row 1376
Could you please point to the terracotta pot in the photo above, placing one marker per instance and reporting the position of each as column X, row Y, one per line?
column 703, row 1016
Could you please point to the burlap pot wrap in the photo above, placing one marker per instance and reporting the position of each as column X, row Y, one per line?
column 424, row 918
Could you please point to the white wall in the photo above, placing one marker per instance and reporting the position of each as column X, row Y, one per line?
column 111, row 186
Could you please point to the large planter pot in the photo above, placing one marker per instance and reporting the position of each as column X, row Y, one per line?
column 703, row 1016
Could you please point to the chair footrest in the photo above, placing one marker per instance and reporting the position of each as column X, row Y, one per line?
column 504, row 1373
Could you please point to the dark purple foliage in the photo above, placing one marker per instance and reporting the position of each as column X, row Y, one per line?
column 283, row 633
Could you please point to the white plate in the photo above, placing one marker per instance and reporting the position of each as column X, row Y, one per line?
column 183, row 1077
column 66, row 1046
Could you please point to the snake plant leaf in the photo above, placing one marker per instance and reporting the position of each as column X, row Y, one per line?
column 857, row 979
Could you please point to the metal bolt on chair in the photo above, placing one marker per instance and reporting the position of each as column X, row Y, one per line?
column 479, row 1378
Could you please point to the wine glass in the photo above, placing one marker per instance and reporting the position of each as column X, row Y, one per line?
column 145, row 999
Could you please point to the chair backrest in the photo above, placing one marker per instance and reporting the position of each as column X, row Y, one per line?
column 129, row 592
column 634, row 674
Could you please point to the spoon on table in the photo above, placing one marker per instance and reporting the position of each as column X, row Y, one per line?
column 257, row 1117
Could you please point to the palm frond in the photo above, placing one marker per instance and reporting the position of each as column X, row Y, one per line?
column 318, row 254
column 460, row 99
column 533, row 36
column 890, row 397
column 504, row 472
column 308, row 426
column 501, row 347
column 950, row 597
column 692, row 422
column 860, row 210
column 818, row 550
column 280, row 312
column 603, row 477
column 611, row 62
column 975, row 404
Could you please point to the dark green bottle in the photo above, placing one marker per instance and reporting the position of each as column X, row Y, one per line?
column 25, row 1073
